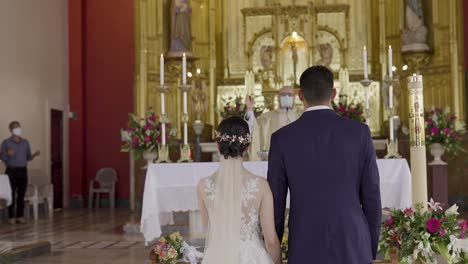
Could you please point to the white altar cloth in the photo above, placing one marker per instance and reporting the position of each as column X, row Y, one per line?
column 171, row 187
column 5, row 189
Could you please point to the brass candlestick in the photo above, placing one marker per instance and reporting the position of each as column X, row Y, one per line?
column 366, row 84
column 163, row 149
column 392, row 144
column 185, row 148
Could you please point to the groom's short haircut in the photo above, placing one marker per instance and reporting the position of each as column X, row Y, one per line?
column 317, row 84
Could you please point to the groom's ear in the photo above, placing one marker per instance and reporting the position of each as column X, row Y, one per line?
column 301, row 95
column 333, row 95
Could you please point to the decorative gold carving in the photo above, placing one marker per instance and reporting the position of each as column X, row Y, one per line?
column 417, row 60
column 332, row 8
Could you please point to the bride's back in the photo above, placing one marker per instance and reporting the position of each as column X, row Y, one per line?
column 234, row 204
column 251, row 193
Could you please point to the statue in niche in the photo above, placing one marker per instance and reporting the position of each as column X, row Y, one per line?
column 181, row 37
column 266, row 57
column 414, row 35
column 199, row 98
column 326, row 54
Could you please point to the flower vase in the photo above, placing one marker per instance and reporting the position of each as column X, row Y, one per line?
column 437, row 150
column 150, row 156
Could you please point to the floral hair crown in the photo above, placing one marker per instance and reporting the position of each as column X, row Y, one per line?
column 231, row 139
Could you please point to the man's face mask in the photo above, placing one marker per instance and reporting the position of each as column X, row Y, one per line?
column 287, row 101
column 17, row 131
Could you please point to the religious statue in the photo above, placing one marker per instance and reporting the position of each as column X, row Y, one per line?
column 266, row 57
column 181, row 37
column 326, row 54
column 199, row 98
column 414, row 35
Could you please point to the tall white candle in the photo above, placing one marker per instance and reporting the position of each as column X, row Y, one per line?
column 184, row 69
column 390, row 62
column 391, row 128
column 185, row 134
column 364, row 58
column 367, row 97
column 161, row 70
column 163, row 132
column 163, row 104
column 184, row 102
column 390, row 96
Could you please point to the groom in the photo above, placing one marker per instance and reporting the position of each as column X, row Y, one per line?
column 328, row 163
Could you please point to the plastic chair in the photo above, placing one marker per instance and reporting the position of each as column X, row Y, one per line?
column 106, row 179
column 36, row 195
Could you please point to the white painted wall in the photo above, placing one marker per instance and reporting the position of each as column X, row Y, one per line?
column 34, row 75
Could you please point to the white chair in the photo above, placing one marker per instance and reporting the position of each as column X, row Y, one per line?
column 106, row 179
column 36, row 195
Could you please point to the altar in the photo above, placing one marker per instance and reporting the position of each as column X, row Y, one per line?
column 171, row 187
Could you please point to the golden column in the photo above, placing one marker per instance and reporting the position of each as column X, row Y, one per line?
column 417, row 139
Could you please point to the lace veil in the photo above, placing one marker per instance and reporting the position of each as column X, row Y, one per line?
column 223, row 237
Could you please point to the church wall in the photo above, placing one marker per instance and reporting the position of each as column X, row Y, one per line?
column 103, row 80
column 34, row 74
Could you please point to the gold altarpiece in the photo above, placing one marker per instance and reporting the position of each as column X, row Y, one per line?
column 232, row 37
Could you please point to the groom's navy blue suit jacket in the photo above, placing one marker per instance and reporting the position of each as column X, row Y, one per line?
column 329, row 165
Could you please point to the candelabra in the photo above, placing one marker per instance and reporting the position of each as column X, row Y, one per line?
column 366, row 84
column 392, row 144
column 163, row 149
column 185, row 148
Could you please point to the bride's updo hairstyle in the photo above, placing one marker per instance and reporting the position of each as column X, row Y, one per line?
column 233, row 137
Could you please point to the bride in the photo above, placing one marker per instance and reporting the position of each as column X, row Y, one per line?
column 236, row 206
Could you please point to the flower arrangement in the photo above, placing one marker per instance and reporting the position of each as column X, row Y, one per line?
column 420, row 235
column 169, row 249
column 144, row 134
column 349, row 110
column 440, row 128
column 236, row 107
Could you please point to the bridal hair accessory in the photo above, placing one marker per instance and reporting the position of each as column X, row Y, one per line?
column 231, row 139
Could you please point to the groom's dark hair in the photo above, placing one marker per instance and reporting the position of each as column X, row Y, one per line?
column 317, row 84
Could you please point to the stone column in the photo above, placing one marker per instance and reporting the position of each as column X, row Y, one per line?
column 417, row 139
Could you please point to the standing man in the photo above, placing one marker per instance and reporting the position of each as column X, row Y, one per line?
column 328, row 164
column 15, row 153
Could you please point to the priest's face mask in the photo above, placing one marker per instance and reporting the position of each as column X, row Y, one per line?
column 286, row 98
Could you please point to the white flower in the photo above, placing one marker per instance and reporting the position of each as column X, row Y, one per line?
column 447, row 110
column 453, row 210
column 434, row 206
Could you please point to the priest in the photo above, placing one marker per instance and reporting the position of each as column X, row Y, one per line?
column 262, row 128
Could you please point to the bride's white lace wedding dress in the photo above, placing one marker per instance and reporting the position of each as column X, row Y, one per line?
column 253, row 190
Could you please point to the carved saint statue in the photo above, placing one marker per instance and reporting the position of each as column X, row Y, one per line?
column 181, row 37
column 199, row 98
column 326, row 54
column 414, row 36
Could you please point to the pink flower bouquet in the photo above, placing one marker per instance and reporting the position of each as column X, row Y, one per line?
column 420, row 234
column 440, row 128
column 144, row 134
column 349, row 110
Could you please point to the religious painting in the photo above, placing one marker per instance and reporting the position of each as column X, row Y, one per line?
column 263, row 53
column 327, row 51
